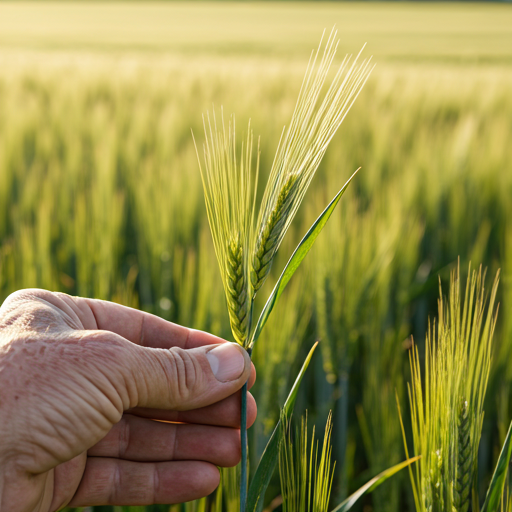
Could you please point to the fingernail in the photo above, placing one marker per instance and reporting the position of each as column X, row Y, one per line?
column 227, row 362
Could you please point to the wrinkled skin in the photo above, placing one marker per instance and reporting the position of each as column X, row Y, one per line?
column 83, row 381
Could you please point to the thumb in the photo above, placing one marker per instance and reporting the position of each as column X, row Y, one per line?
column 181, row 379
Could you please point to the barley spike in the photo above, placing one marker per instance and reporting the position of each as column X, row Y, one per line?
column 314, row 122
column 268, row 239
column 437, row 481
column 230, row 191
column 462, row 486
column 237, row 291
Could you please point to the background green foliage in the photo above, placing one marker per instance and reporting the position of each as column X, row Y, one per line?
column 100, row 192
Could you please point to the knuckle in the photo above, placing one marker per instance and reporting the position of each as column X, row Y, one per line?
column 252, row 411
column 27, row 295
column 32, row 309
column 124, row 438
column 233, row 452
column 15, row 307
column 109, row 362
column 185, row 375
column 116, row 482
column 213, row 481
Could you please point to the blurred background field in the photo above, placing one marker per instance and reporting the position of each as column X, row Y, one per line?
column 100, row 193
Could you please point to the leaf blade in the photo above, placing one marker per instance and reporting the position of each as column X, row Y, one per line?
column 493, row 496
column 269, row 458
column 373, row 484
column 296, row 259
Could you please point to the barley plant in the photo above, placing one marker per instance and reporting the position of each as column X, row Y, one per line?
column 306, row 473
column 447, row 404
column 245, row 250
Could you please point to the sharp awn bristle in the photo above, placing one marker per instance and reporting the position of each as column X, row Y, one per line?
column 229, row 189
column 314, row 122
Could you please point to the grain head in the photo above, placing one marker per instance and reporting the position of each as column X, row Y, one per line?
column 447, row 403
column 314, row 122
column 306, row 473
column 229, row 190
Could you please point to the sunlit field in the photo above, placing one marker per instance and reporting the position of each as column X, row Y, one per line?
column 100, row 192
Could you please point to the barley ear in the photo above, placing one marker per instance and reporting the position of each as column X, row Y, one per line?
column 230, row 190
column 462, row 486
column 437, row 481
column 237, row 290
column 267, row 242
column 320, row 109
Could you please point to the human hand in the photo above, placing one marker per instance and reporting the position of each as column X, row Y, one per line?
column 82, row 382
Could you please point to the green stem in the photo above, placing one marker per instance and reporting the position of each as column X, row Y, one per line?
column 243, row 440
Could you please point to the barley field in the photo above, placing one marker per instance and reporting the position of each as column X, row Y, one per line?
column 101, row 196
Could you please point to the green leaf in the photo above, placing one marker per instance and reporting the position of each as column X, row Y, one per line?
column 372, row 484
column 293, row 263
column 492, row 499
column 270, row 456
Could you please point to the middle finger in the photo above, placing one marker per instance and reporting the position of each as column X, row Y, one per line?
column 225, row 413
column 143, row 440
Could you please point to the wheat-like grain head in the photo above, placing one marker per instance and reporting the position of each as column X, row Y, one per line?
column 305, row 472
column 229, row 190
column 447, row 405
column 314, row 122
column 464, row 470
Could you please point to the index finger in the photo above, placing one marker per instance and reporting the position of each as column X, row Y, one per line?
column 146, row 329
column 136, row 326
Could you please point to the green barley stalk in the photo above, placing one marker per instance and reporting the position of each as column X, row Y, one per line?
column 230, row 192
column 245, row 250
column 447, row 405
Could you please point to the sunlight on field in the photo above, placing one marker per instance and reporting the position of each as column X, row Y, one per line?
column 100, row 192
column 411, row 32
